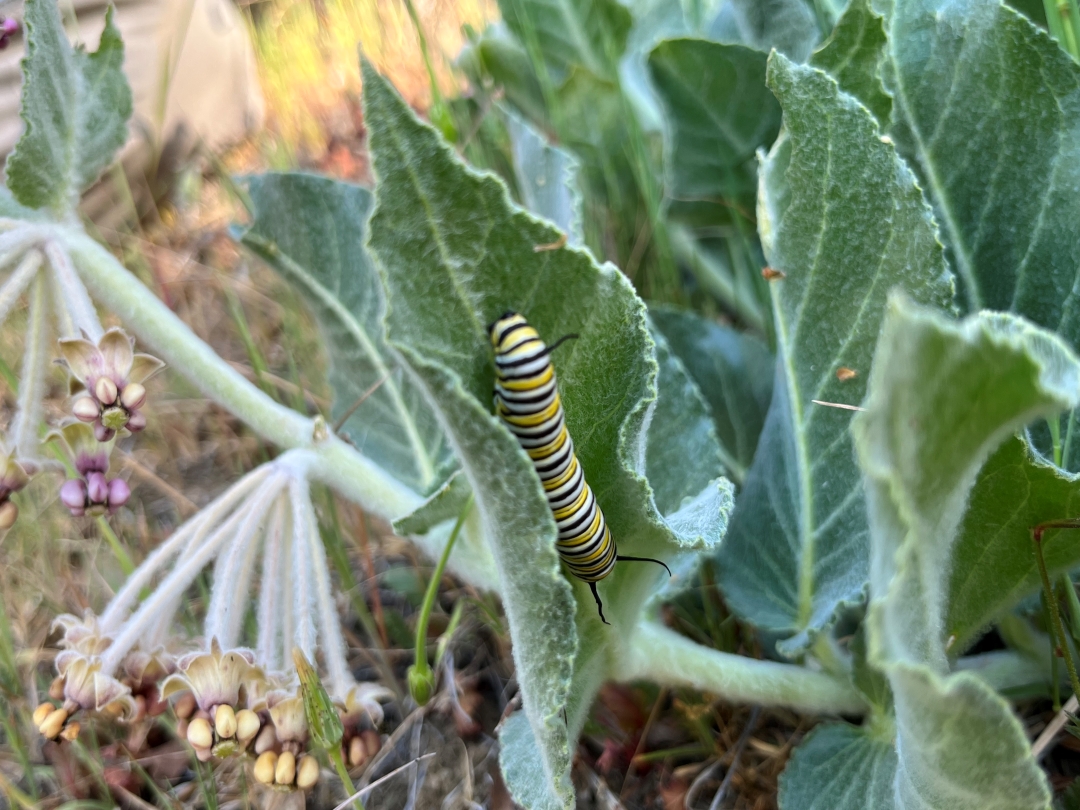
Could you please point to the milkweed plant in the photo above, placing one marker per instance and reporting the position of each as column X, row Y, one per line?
column 860, row 450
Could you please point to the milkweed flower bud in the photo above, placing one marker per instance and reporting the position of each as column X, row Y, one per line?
column 285, row 771
column 247, row 725
column 73, row 496
column 9, row 513
column 225, row 721
column 199, row 733
column 8, row 27
column 265, row 766
column 307, row 772
column 109, row 378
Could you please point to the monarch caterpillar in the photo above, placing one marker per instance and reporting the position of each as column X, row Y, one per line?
column 527, row 400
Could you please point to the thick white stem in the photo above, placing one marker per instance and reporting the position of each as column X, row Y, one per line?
column 74, row 298
column 272, row 594
column 288, row 586
column 661, row 655
column 303, row 586
column 161, row 556
column 17, row 282
column 181, row 577
column 340, row 465
column 25, row 435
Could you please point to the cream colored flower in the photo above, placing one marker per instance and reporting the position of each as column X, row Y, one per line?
column 214, row 677
column 85, row 687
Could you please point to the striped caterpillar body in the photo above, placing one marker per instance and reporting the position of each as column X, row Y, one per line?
column 527, row 400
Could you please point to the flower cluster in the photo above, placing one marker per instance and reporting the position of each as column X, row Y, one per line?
column 107, row 381
column 91, row 493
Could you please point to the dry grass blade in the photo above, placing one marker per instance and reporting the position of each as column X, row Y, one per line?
column 360, row 793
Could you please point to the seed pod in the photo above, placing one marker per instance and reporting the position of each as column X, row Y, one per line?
column 357, row 752
column 53, row 724
column 285, row 772
column 70, row 732
column 199, row 733
column 134, row 396
column 41, row 712
column 308, row 772
column 86, row 409
column 265, row 766
column 225, row 721
column 9, row 513
column 247, row 725
column 105, row 391
column 266, row 740
column 185, row 706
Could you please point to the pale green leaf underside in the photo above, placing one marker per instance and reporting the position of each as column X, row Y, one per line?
column 546, row 177
column 842, row 217
column 75, row 107
column 942, row 397
column 839, row 767
column 987, row 110
column 852, row 55
column 312, row 229
column 455, row 254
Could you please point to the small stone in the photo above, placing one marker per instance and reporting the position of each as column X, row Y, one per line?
column 133, row 397
column 247, row 725
column 199, row 733
column 53, row 723
column 86, row 409
column 225, row 721
column 105, row 391
column 308, row 772
column 41, row 712
column 285, row 771
column 265, row 766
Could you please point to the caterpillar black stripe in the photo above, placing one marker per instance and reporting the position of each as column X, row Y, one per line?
column 527, row 400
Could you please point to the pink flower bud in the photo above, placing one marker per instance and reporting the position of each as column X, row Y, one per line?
column 9, row 513
column 97, row 488
column 136, row 422
column 133, row 397
column 86, row 409
column 105, row 391
column 102, row 433
column 119, row 492
column 73, row 495
column 9, row 26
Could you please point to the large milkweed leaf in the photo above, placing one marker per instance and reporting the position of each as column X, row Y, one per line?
column 75, row 105
column 841, row 216
column 942, row 397
column 786, row 25
column 852, row 55
column 994, row 560
column 1007, row 195
column 840, row 767
column 454, row 253
column 718, row 114
column 312, row 229
column 734, row 371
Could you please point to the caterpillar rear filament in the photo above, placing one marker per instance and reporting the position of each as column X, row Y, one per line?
column 527, row 400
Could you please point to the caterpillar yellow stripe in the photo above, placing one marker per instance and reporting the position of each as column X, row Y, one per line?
column 527, row 401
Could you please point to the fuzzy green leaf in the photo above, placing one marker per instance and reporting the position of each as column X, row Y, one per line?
column 986, row 109
column 75, row 106
column 454, row 254
column 719, row 113
column 839, row 767
column 734, row 371
column 312, row 229
column 942, row 397
column 842, row 217
column 852, row 55
column 995, row 563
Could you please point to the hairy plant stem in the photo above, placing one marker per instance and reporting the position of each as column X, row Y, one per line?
column 1061, row 641
column 656, row 653
column 339, row 465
